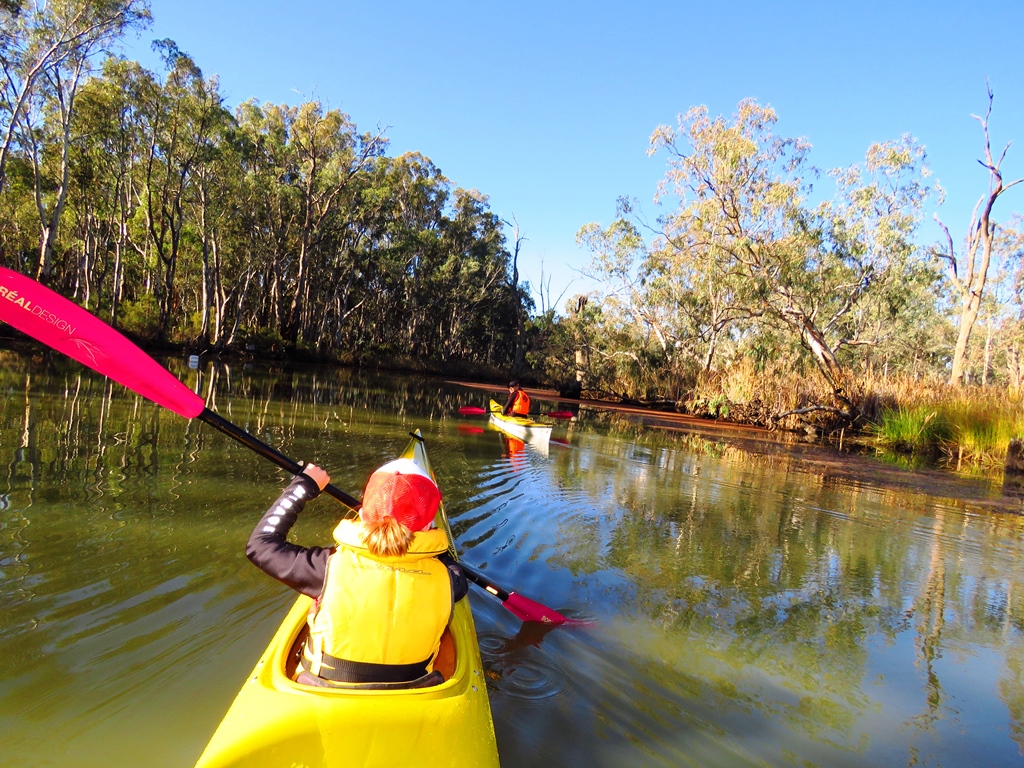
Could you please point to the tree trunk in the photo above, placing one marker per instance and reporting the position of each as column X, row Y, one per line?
column 517, row 361
column 824, row 357
column 987, row 367
column 968, row 314
column 980, row 238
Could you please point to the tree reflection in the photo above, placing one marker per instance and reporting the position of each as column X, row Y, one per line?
column 751, row 562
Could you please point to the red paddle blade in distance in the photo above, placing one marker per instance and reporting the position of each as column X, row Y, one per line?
column 472, row 410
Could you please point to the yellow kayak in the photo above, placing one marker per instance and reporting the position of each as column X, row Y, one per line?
column 275, row 722
column 523, row 427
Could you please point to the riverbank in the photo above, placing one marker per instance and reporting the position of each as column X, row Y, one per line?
column 850, row 458
column 851, row 462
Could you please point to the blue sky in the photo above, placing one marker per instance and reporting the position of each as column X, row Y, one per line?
column 547, row 108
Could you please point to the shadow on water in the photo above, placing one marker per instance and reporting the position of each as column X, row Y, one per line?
column 749, row 603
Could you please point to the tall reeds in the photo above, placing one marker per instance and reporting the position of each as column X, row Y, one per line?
column 917, row 429
column 965, row 427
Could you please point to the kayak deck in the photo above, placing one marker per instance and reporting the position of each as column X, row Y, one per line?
column 275, row 721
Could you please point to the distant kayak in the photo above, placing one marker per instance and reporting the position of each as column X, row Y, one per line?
column 523, row 427
column 276, row 722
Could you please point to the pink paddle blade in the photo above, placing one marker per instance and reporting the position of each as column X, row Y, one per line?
column 560, row 414
column 50, row 318
column 529, row 610
column 472, row 410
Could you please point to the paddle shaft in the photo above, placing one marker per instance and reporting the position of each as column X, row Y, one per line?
column 523, row 607
column 272, row 454
column 482, row 581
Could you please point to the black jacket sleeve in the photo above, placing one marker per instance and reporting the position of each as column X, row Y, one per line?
column 301, row 568
column 460, row 584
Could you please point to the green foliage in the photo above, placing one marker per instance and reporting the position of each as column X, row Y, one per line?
column 262, row 341
column 190, row 329
column 140, row 317
column 715, row 406
column 982, row 433
column 913, row 430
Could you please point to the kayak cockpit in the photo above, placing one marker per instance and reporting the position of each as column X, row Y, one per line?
column 444, row 665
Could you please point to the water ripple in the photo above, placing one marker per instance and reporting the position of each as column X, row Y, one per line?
column 515, row 669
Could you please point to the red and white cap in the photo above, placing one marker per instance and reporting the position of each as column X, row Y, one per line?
column 403, row 490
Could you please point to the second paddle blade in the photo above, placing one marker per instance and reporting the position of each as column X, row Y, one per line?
column 530, row 610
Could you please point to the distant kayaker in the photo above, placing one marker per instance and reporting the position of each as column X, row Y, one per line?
column 518, row 403
column 384, row 593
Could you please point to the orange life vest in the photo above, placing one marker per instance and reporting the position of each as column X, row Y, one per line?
column 521, row 405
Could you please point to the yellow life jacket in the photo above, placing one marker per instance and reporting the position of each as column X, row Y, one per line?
column 379, row 610
column 521, row 405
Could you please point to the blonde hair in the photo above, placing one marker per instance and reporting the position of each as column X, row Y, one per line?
column 387, row 537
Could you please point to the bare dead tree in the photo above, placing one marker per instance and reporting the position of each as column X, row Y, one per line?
column 517, row 365
column 970, row 273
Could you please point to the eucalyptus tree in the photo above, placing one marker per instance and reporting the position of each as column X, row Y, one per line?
column 106, row 156
column 96, row 25
column 969, row 272
column 1008, row 341
column 213, row 204
column 743, row 203
column 268, row 208
column 304, row 168
column 566, row 348
column 480, row 301
column 343, row 278
column 233, row 192
column 904, row 329
column 408, row 200
column 184, row 117
column 645, row 333
column 328, row 154
column 52, row 41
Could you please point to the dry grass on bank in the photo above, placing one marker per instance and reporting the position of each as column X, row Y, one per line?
column 746, row 394
column 961, row 426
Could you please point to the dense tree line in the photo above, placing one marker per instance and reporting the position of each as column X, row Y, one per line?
column 143, row 197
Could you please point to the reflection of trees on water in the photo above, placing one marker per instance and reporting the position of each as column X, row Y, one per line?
column 753, row 563
column 268, row 403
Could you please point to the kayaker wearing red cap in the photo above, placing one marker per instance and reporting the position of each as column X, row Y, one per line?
column 518, row 403
column 384, row 594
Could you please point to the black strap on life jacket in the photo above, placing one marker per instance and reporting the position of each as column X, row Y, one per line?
column 343, row 671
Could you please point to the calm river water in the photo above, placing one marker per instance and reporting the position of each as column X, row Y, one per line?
column 746, row 609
